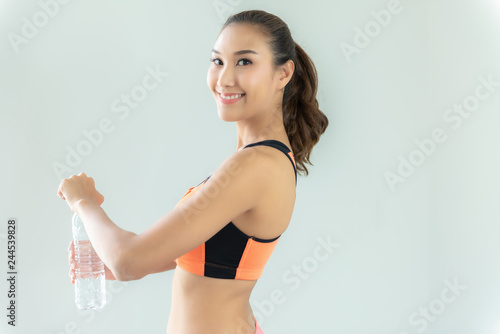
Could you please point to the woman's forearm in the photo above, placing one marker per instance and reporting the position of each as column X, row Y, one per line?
column 110, row 241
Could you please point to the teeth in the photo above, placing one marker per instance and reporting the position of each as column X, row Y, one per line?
column 232, row 97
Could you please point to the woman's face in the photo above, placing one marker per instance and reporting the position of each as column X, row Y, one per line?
column 250, row 73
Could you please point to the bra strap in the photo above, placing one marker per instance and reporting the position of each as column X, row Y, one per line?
column 280, row 146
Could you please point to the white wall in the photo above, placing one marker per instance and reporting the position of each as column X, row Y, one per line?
column 398, row 247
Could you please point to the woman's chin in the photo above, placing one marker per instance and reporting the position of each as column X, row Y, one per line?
column 227, row 117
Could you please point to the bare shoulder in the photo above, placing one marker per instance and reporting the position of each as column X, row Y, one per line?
column 252, row 169
column 257, row 171
column 270, row 181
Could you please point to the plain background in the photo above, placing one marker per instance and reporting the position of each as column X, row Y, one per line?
column 397, row 247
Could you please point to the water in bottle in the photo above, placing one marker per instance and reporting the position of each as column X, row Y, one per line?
column 90, row 282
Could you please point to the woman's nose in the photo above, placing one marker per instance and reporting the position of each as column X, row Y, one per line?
column 226, row 77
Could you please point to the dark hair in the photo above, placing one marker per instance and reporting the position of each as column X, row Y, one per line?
column 304, row 122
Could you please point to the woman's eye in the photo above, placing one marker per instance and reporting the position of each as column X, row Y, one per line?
column 214, row 59
column 246, row 61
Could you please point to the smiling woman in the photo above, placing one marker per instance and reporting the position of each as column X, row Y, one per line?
column 222, row 232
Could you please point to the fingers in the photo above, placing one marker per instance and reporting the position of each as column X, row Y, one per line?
column 87, row 180
column 71, row 249
column 59, row 191
column 100, row 199
column 72, row 262
column 72, row 275
column 72, row 268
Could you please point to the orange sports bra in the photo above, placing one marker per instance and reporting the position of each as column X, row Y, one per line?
column 230, row 253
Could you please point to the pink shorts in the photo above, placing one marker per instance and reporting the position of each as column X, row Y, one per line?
column 258, row 330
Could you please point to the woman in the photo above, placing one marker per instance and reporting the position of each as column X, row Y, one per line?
column 262, row 80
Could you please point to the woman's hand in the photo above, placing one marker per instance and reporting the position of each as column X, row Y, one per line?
column 78, row 187
column 73, row 265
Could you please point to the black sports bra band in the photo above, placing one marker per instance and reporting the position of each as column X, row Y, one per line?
column 278, row 145
column 273, row 143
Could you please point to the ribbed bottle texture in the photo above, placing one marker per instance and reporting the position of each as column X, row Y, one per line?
column 90, row 283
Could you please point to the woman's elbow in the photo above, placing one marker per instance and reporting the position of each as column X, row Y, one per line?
column 132, row 265
column 123, row 269
column 124, row 276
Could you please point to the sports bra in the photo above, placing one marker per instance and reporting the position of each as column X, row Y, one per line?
column 230, row 253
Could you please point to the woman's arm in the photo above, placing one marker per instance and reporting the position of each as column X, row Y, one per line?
column 234, row 188
column 168, row 266
column 108, row 273
column 108, row 239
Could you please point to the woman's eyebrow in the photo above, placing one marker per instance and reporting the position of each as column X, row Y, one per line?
column 238, row 52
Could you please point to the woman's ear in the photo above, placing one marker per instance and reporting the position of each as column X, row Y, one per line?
column 286, row 73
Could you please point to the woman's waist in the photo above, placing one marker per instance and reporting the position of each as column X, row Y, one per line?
column 189, row 286
column 209, row 305
column 213, row 320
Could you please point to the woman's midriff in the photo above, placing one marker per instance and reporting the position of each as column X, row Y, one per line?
column 205, row 305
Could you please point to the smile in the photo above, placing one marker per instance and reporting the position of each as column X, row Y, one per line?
column 230, row 99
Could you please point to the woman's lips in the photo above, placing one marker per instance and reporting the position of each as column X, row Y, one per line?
column 230, row 101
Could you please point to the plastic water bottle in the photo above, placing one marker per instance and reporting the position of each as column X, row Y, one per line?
column 90, row 282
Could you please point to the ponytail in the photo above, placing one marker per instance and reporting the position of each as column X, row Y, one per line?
column 303, row 120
